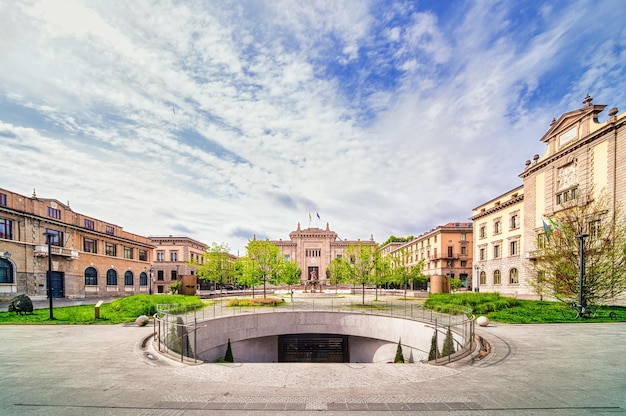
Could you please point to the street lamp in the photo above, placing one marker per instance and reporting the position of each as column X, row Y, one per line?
column 581, row 271
column 48, row 236
column 151, row 278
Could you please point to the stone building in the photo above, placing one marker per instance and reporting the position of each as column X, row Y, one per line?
column 171, row 258
column 584, row 157
column 313, row 249
column 446, row 251
column 89, row 257
column 498, row 244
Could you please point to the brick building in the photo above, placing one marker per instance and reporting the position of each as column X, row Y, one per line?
column 171, row 258
column 90, row 257
column 313, row 249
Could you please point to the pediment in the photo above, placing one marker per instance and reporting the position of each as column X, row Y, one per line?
column 567, row 127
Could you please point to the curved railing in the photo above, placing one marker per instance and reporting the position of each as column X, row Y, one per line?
column 175, row 326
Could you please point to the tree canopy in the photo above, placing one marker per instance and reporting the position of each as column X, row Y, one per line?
column 218, row 265
column 558, row 255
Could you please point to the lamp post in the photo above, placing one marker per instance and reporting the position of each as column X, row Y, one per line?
column 151, row 278
column 581, row 268
column 49, row 275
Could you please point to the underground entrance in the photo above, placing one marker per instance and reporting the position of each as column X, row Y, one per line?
column 313, row 348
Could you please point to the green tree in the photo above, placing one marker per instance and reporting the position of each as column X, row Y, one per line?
column 247, row 274
column 362, row 264
column 265, row 260
column 289, row 273
column 448, row 344
column 382, row 269
column 338, row 271
column 403, row 272
column 218, row 266
column 399, row 355
column 434, row 348
column 557, row 264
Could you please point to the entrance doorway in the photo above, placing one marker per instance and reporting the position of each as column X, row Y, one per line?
column 58, row 284
column 313, row 348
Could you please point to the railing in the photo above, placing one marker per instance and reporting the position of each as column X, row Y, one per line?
column 175, row 326
column 41, row 250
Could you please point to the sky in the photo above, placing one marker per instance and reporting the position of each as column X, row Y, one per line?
column 228, row 120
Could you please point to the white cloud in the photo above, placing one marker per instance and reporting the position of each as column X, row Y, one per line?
column 384, row 117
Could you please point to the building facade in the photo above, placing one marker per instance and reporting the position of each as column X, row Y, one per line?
column 446, row 252
column 172, row 256
column 89, row 257
column 583, row 159
column 499, row 260
column 313, row 249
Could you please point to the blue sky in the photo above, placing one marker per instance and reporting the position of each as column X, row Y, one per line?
column 223, row 120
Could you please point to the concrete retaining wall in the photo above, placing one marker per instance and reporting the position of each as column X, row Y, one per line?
column 373, row 338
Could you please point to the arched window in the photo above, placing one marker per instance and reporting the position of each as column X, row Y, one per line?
column 143, row 279
column 91, row 276
column 111, row 277
column 497, row 277
column 513, row 276
column 483, row 278
column 6, row 271
column 128, row 278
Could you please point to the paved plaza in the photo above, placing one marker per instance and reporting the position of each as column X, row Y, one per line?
column 558, row 369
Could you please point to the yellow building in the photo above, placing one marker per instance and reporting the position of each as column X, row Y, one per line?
column 498, row 244
column 89, row 257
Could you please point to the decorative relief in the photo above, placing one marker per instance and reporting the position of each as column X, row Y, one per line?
column 567, row 176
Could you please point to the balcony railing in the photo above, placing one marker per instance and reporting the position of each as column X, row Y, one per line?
column 41, row 250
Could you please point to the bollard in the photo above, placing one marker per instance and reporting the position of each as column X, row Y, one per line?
column 98, row 309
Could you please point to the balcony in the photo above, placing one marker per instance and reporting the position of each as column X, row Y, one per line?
column 41, row 250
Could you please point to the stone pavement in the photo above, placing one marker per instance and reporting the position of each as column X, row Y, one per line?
column 558, row 369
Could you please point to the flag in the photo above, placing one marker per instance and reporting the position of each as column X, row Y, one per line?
column 309, row 216
column 555, row 228
column 546, row 229
column 318, row 215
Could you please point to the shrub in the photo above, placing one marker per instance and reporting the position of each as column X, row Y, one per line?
column 399, row 355
column 255, row 302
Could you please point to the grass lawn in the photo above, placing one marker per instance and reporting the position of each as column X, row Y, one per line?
column 510, row 310
column 120, row 310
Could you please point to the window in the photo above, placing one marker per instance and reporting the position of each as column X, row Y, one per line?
column 143, row 279
column 143, row 255
column 513, row 276
column 287, row 257
column 54, row 213
column 173, row 255
column 174, row 275
column 6, row 229
column 111, row 277
column 463, row 250
column 483, row 278
column 514, row 248
column 89, row 245
column 482, row 253
column 91, row 276
column 497, row 227
column 160, row 256
column 450, row 248
column 497, row 277
column 110, row 249
column 435, row 252
column 566, row 196
column 313, row 253
column 109, row 230
column 463, row 263
column 496, row 251
column 6, row 271
column 55, row 236
column 463, row 236
column 3, row 200
column 128, row 252
column 482, row 231
column 160, row 275
column 89, row 224
column 128, row 278
column 595, row 230
column 514, row 222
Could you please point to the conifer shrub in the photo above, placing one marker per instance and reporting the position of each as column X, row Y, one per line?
column 399, row 355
